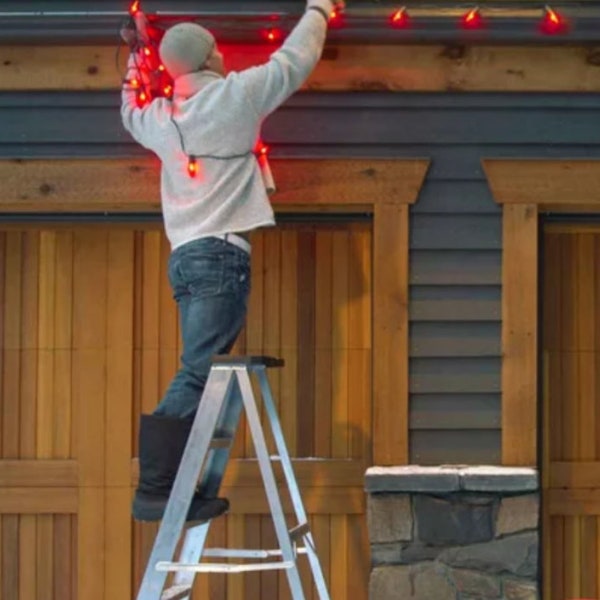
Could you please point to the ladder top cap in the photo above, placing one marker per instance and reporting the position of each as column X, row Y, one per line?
column 248, row 361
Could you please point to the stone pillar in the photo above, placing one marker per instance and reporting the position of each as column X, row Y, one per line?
column 453, row 533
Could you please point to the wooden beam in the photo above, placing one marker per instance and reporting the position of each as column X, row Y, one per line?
column 574, row 474
column 519, row 335
column 344, row 67
column 132, row 185
column 573, row 502
column 243, row 473
column 317, row 500
column 40, row 500
column 546, row 183
column 38, row 473
column 390, row 335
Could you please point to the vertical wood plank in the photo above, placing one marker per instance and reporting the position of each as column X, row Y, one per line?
column 253, row 540
column 3, row 284
column 572, row 549
column 28, row 558
column 359, row 344
column 390, row 335
column 119, row 359
column 307, row 305
column 272, row 316
column 44, row 574
column 289, row 340
column 10, row 557
column 269, row 583
column 168, row 329
column 89, row 390
column 339, row 560
column 256, row 317
column 519, row 334
column 339, row 344
column 589, row 557
column 46, row 345
column 29, row 354
column 119, row 383
column 358, row 559
column 151, row 274
column 558, row 558
column 217, row 582
column 118, row 542
column 63, row 558
column 63, row 340
column 91, row 544
column 323, row 360
column 235, row 539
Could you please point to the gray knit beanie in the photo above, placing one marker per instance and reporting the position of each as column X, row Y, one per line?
column 185, row 48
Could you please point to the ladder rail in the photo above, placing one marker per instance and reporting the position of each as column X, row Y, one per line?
column 292, row 483
column 184, row 485
column 228, row 391
column 266, row 469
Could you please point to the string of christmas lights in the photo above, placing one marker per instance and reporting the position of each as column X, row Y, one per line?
column 153, row 81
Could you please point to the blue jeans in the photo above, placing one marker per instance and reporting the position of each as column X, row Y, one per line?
column 211, row 283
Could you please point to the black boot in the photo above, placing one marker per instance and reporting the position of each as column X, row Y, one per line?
column 162, row 442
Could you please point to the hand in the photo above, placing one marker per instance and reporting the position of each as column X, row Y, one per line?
column 326, row 6
column 128, row 34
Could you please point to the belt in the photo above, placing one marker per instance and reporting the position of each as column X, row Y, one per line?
column 236, row 240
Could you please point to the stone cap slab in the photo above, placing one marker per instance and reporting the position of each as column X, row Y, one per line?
column 451, row 478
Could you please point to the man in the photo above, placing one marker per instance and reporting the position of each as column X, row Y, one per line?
column 212, row 195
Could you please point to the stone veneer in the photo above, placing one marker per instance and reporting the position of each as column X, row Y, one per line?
column 453, row 533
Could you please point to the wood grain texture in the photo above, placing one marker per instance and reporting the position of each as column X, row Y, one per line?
column 107, row 326
column 390, row 335
column 344, row 67
column 571, row 342
column 547, row 183
column 519, row 335
column 132, row 185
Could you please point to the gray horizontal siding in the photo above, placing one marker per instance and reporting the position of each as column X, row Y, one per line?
column 456, row 229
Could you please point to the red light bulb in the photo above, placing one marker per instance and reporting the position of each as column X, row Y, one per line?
column 142, row 98
column 400, row 18
column 134, row 83
column 473, row 19
column 134, row 8
column 168, row 91
column 261, row 148
column 336, row 18
column 552, row 22
column 192, row 166
column 272, row 35
column 147, row 51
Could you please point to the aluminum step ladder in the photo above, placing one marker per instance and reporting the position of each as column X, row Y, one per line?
column 228, row 390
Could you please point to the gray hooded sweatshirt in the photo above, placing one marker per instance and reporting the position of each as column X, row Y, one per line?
column 219, row 119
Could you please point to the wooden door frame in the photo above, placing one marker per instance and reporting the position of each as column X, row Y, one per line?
column 383, row 187
column 525, row 188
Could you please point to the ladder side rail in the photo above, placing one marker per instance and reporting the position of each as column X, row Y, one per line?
column 216, row 462
column 195, row 539
column 218, row 386
column 266, row 468
column 292, row 484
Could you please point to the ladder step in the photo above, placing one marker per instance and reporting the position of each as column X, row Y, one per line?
column 224, row 567
column 221, row 443
column 298, row 532
column 176, row 592
column 227, row 360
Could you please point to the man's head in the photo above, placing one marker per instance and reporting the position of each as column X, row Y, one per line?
column 189, row 47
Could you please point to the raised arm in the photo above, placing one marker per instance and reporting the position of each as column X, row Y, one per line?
column 269, row 85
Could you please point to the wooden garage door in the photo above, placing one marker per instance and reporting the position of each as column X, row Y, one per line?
column 90, row 339
column 571, row 470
